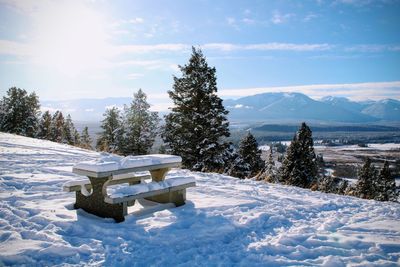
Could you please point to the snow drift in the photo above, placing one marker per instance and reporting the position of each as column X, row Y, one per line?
column 225, row 222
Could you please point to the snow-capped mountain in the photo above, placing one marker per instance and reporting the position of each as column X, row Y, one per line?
column 260, row 107
column 387, row 109
column 294, row 106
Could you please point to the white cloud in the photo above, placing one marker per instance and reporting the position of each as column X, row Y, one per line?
column 356, row 91
column 248, row 21
column 134, row 76
column 136, row 20
column 310, row 17
column 372, row 48
column 230, row 20
column 150, row 48
column 279, row 18
column 14, row 48
column 268, row 47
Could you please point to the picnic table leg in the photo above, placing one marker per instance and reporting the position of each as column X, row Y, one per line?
column 94, row 202
column 159, row 174
column 177, row 197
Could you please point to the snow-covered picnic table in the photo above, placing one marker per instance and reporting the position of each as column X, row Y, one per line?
column 113, row 169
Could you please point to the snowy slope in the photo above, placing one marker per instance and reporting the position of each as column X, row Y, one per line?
column 225, row 222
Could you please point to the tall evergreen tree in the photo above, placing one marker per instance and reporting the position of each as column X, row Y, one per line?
column 141, row 125
column 197, row 124
column 76, row 137
column 19, row 112
column 86, row 140
column 57, row 127
column 69, row 131
column 299, row 167
column 110, row 138
column 386, row 185
column 44, row 131
column 250, row 155
column 365, row 186
column 269, row 172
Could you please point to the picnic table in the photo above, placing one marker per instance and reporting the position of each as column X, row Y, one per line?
column 92, row 194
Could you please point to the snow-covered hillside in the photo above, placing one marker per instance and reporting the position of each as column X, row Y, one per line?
column 225, row 222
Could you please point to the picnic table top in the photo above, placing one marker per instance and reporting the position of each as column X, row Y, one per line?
column 110, row 164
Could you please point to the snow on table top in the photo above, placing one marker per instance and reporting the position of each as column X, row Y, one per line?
column 123, row 191
column 225, row 221
column 110, row 162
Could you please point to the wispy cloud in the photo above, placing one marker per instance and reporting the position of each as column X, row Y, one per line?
column 355, row 91
column 134, row 76
column 268, row 47
column 310, row 17
column 366, row 48
column 279, row 18
column 150, row 48
column 14, row 48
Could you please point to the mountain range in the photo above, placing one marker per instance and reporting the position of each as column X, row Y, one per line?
column 276, row 107
column 297, row 106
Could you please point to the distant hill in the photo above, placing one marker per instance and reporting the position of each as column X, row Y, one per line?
column 297, row 106
column 387, row 109
column 272, row 107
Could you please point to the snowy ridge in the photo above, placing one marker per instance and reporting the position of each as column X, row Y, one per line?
column 225, row 222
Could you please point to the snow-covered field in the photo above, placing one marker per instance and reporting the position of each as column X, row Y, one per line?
column 225, row 222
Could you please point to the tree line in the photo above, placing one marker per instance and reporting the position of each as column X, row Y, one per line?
column 302, row 168
column 197, row 129
column 20, row 114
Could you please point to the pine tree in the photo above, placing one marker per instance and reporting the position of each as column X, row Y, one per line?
column 365, row 186
column 44, row 131
column 57, row 127
column 109, row 139
column 19, row 112
column 335, row 185
column 240, row 168
column 386, row 185
column 197, row 124
column 299, row 167
column 229, row 156
column 86, row 141
column 141, row 125
column 77, row 137
column 69, row 131
column 250, row 155
column 269, row 172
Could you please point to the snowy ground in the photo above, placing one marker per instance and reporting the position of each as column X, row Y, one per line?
column 225, row 222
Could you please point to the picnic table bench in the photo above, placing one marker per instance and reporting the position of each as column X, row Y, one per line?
column 92, row 194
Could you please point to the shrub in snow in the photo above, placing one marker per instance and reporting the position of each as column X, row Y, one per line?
column 366, row 185
column 329, row 184
column 240, row 168
column 386, row 185
column 269, row 173
column 197, row 125
column 299, row 166
column 19, row 112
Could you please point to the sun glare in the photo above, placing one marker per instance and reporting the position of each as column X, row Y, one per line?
column 70, row 38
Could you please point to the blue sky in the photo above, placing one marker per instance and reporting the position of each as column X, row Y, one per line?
column 95, row 49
